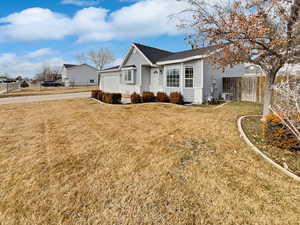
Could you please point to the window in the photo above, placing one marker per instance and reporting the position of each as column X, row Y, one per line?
column 173, row 78
column 189, row 77
column 92, row 81
column 128, row 75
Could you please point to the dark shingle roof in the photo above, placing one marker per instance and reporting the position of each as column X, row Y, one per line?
column 153, row 54
column 69, row 65
column 112, row 68
column 189, row 53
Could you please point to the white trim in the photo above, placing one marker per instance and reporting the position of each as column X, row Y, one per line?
column 184, row 78
column 126, row 57
column 187, row 59
column 112, row 70
column 174, row 67
column 182, row 60
column 181, row 77
column 128, row 68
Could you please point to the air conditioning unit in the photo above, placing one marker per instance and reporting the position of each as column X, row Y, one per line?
column 227, row 96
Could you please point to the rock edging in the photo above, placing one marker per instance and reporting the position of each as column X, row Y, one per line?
column 254, row 148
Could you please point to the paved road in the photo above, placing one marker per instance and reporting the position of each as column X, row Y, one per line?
column 38, row 98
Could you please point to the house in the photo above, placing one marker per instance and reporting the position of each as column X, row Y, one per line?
column 3, row 78
column 150, row 69
column 77, row 75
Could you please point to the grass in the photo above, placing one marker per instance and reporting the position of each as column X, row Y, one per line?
column 37, row 90
column 79, row 162
column 253, row 129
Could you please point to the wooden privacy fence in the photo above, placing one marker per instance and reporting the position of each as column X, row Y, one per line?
column 246, row 88
column 243, row 88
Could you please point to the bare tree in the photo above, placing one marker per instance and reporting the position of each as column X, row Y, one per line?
column 261, row 32
column 98, row 58
column 49, row 73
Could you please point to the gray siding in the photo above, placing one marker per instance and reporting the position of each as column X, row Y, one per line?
column 137, row 59
column 146, row 78
column 211, row 75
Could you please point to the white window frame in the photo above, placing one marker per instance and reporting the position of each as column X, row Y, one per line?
column 128, row 75
column 189, row 78
column 171, row 72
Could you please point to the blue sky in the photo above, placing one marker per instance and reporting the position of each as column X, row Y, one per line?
column 51, row 32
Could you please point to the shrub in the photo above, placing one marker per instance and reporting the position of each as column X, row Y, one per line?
column 99, row 95
column 162, row 97
column 279, row 135
column 135, row 98
column 176, row 98
column 215, row 101
column 94, row 93
column 112, row 98
column 24, row 84
column 148, row 96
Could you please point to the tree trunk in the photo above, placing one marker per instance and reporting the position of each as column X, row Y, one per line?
column 267, row 100
column 99, row 77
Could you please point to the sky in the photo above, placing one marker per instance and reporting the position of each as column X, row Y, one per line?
column 35, row 33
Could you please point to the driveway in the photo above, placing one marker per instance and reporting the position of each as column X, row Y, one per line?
column 39, row 98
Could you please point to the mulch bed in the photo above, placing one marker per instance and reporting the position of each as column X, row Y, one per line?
column 253, row 129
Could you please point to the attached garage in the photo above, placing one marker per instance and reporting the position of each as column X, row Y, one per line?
column 110, row 82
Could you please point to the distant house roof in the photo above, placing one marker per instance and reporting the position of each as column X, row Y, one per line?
column 189, row 53
column 69, row 65
column 153, row 54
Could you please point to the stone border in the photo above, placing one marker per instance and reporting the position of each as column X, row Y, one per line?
column 254, row 148
column 162, row 103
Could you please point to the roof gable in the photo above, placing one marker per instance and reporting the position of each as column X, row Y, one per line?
column 152, row 54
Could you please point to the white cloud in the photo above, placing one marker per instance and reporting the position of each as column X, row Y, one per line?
column 40, row 52
column 24, row 65
column 141, row 19
column 34, row 24
column 79, row 2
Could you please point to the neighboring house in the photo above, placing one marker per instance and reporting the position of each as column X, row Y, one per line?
column 3, row 78
column 75, row 75
column 150, row 69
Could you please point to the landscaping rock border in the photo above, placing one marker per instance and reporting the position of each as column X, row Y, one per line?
column 254, row 148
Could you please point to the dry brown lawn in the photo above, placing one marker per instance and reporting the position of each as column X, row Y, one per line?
column 37, row 90
column 79, row 162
